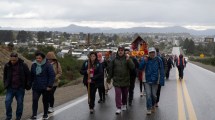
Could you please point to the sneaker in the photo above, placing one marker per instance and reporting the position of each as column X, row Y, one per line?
column 124, row 107
column 141, row 94
column 91, row 111
column 106, row 92
column 156, row 104
column 19, row 118
column 45, row 117
column 33, row 117
column 118, row 111
column 51, row 110
column 149, row 112
column 8, row 119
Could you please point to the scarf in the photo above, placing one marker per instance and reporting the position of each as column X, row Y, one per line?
column 39, row 66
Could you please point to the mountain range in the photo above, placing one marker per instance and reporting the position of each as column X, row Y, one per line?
column 76, row 29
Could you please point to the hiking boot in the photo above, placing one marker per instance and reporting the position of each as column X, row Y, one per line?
column 118, row 111
column 124, row 107
column 149, row 112
column 33, row 117
column 45, row 117
column 51, row 110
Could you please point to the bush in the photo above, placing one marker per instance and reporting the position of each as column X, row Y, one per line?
column 2, row 90
column 70, row 67
column 207, row 61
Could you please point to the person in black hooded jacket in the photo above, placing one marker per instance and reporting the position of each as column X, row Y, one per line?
column 96, row 75
column 16, row 79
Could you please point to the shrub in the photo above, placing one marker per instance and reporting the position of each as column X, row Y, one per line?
column 2, row 90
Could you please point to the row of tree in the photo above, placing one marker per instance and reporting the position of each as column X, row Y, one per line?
column 24, row 36
column 191, row 49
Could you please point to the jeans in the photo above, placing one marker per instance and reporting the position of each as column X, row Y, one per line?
column 151, row 97
column 19, row 95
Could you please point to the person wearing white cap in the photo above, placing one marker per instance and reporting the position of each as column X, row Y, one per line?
column 154, row 75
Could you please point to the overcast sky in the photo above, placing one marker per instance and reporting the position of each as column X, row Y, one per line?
column 195, row 14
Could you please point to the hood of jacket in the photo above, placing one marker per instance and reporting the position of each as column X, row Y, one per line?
column 51, row 55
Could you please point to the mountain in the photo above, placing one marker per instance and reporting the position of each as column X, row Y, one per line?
column 76, row 29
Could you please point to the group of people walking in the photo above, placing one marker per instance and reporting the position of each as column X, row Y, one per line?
column 121, row 71
column 43, row 78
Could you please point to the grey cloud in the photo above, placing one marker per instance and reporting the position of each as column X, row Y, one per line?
column 170, row 11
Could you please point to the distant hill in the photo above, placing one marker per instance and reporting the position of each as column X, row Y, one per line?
column 76, row 29
column 4, row 58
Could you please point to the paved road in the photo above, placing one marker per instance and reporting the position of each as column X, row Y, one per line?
column 190, row 99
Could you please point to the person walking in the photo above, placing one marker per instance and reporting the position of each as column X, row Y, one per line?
column 154, row 75
column 141, row 77
column 170, row 64
column 120, row 72
column 100, row 83
column 181, row 64
column 16, row 77
column 42, row 76
column 52, row 59
column 133, row 75
column 165, row 67
column 106, row 64
column 93, row 70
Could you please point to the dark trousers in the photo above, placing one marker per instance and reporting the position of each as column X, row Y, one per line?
column 101, row 90
column 142, row 86
column 167, row 73
column 51, row 97
column 45, row 99
column 19, row 95
column 181, row 72
column 131, row 88
column 92, row 95
column 158, row 93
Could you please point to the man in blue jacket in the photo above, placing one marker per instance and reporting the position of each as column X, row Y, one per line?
column 154, row 74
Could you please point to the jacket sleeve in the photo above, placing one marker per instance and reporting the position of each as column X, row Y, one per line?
column 27, row 77
column 59, row 71
column 83, row 70
column 51, row 75
column 5, row 76
column 131, row 64
column 110, row 71
column 142, row 64
column 161, row 73
column 32, row 74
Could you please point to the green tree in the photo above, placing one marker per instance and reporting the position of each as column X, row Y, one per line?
column 22, row 36
column 41, row 36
